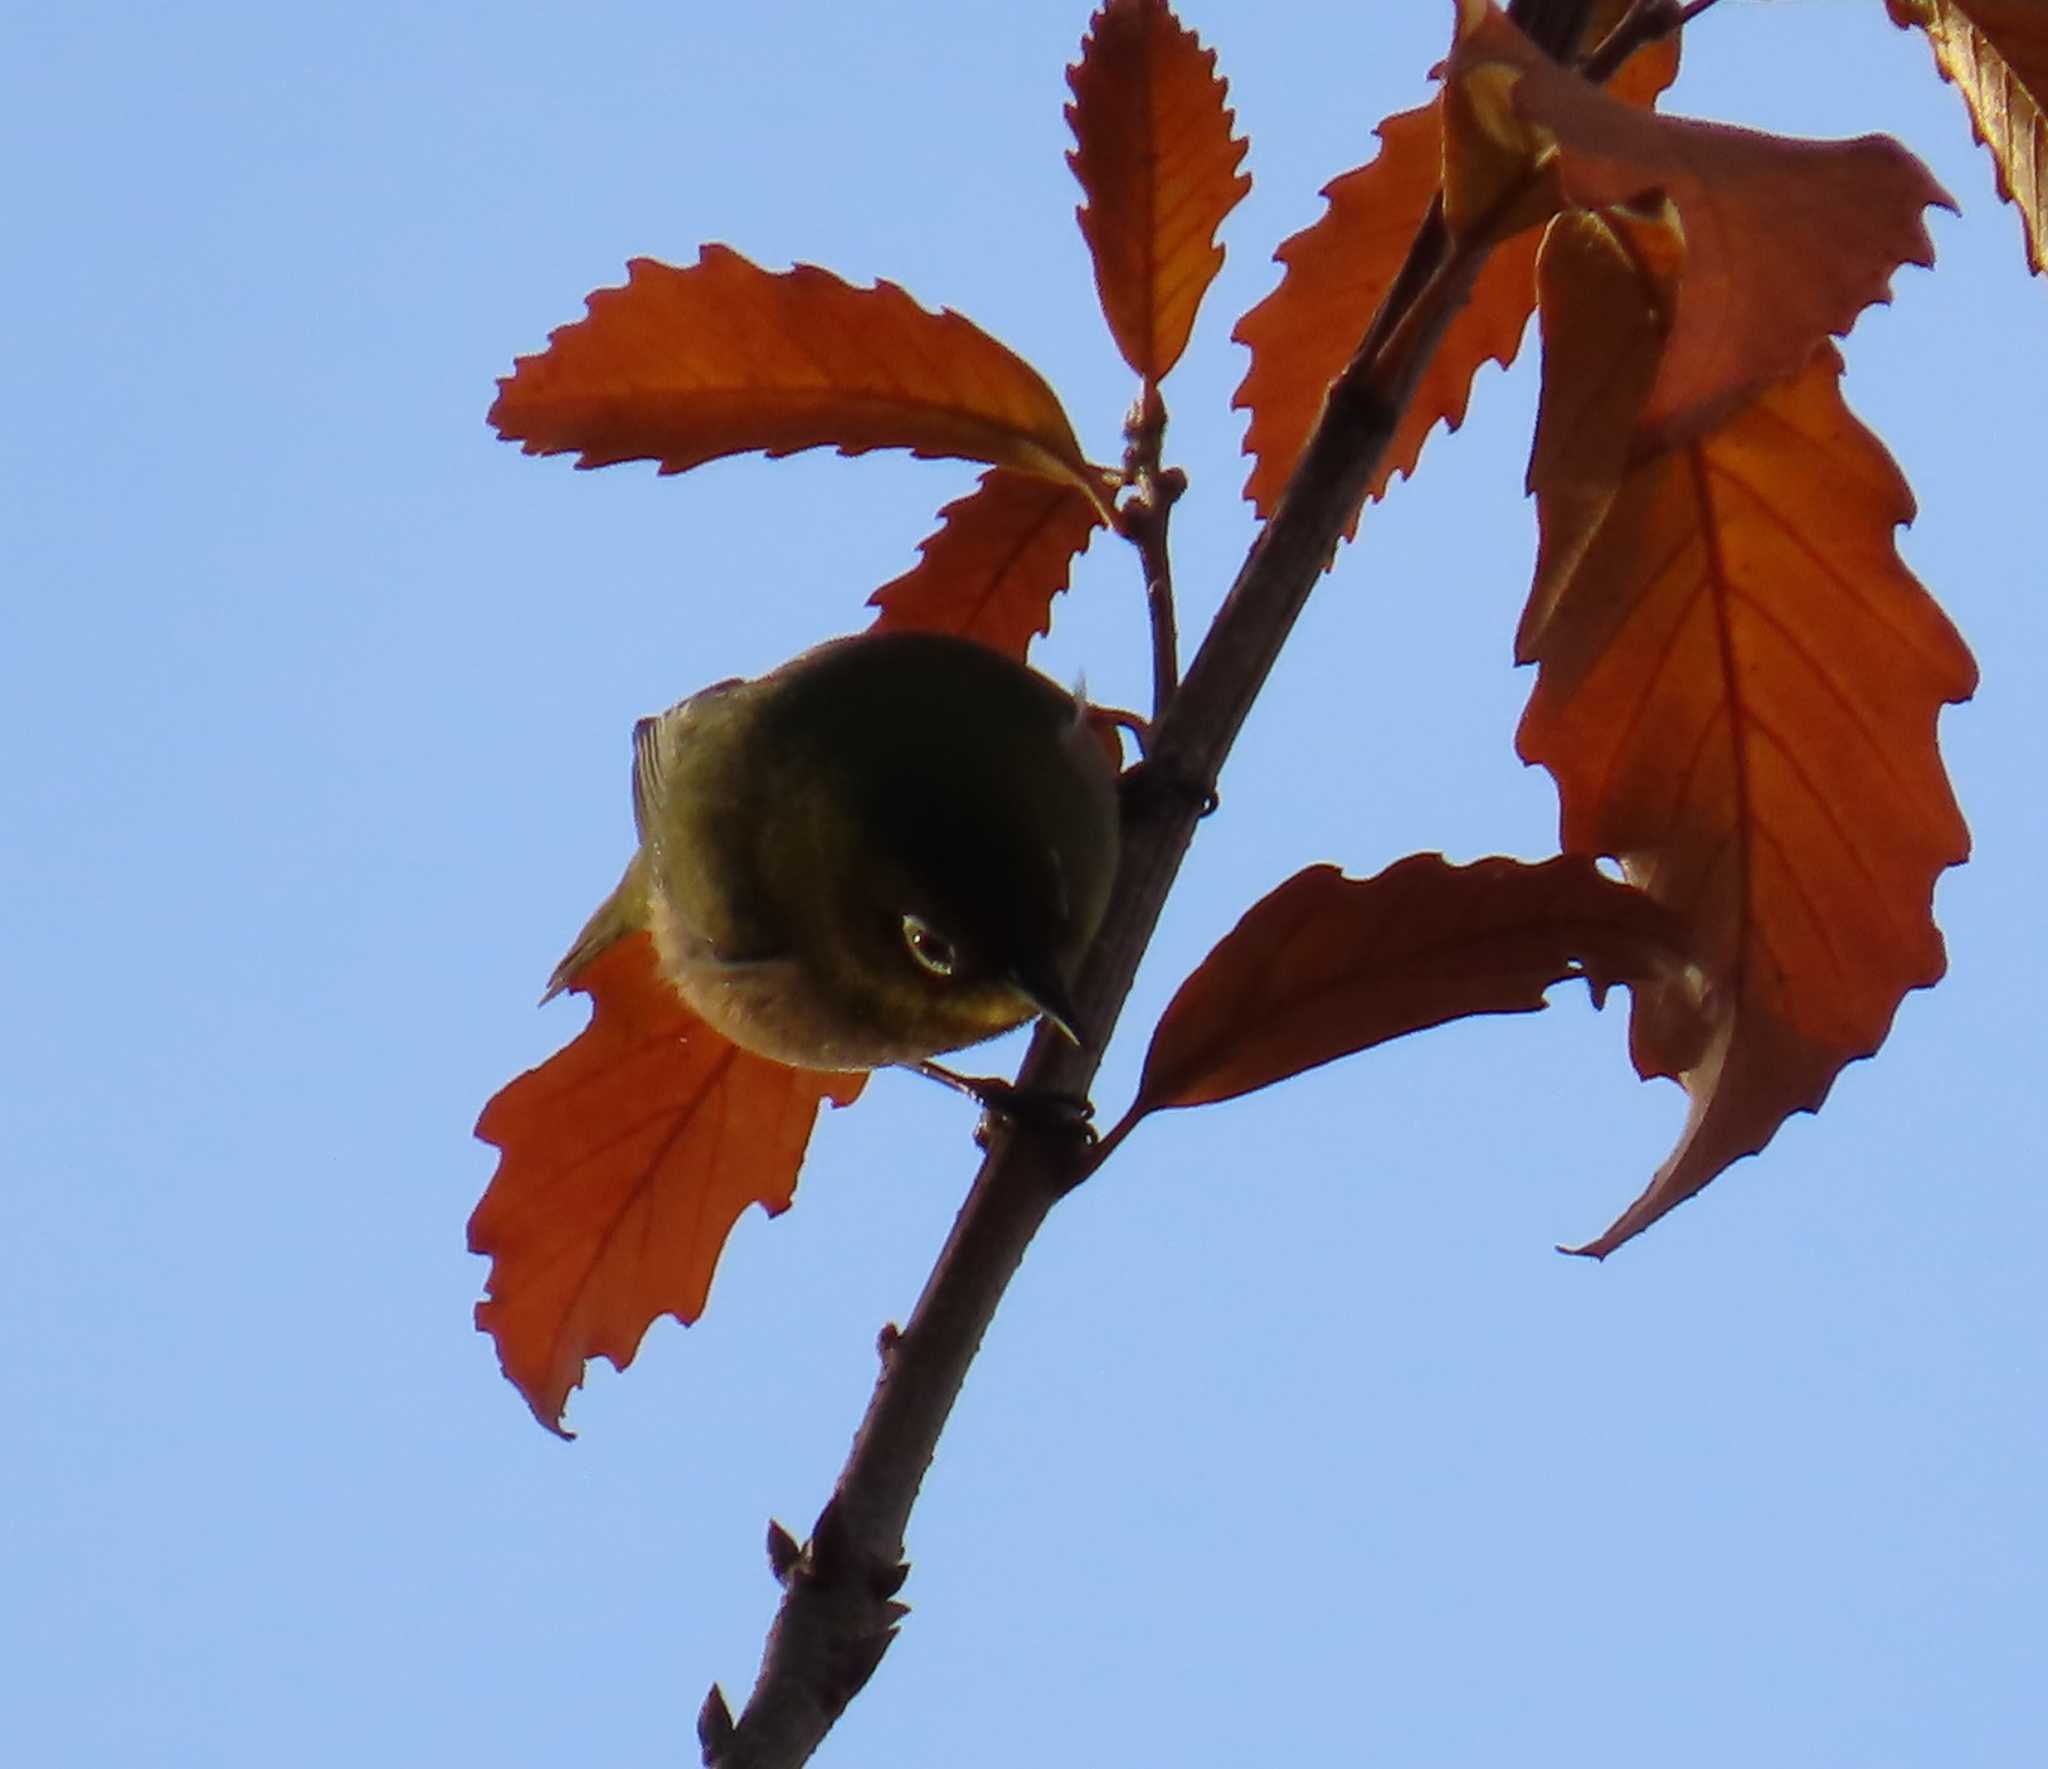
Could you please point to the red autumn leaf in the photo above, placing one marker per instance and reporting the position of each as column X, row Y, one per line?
column 683, row 366
column 994, row 564
column 1786, row 241
column 1303, row 333
column 1337, row 271
column 1738, row 688
column 1328, row 965
column 1156, row 158
column 1618, row 275
column 1996, row 52
column 627, row 1157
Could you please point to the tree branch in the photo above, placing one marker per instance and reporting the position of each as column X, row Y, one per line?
column 838, row 1612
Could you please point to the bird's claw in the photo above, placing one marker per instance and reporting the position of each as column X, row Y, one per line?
column 1040, row 1109
column 1035, row 1108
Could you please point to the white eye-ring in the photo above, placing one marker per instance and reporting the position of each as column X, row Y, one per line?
column 929, row 947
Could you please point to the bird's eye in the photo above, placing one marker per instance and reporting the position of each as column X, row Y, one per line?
column 929, row 947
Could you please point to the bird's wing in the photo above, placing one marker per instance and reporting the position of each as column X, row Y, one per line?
column 648, row 766
column 657, row 740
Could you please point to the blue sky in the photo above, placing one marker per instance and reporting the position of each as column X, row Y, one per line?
column 1294, row 1440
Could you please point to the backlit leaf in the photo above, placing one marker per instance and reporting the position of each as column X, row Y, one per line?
column 1737, row 693
column 1328, row 965
column 1786, row 241
column 1336, row 272
column 1603, row 344
column 1156, row 157
column 626, row 1159
column 683, row 366
column 1996, row 52
column 993, row 566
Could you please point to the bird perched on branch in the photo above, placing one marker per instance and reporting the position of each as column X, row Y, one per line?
column 892, row 846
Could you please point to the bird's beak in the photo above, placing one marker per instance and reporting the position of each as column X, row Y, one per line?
column 1043, row 987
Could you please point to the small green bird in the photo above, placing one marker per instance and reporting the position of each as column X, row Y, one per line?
column 894, row 845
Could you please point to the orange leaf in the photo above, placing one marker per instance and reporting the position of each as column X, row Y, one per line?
column 1328, row 965
column 1996, row 52
column 627, row 1157
column 683, row 366
column 994, row 564
column 1337, row 272
column 1787, row 240
column 1739, row 682
column 1158, row 163
column 1603, row 344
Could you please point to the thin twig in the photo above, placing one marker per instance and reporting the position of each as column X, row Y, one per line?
column 1165, row 633
column 1143, row 519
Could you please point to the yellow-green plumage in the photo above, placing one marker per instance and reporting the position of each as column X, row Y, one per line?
column 817, row 843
